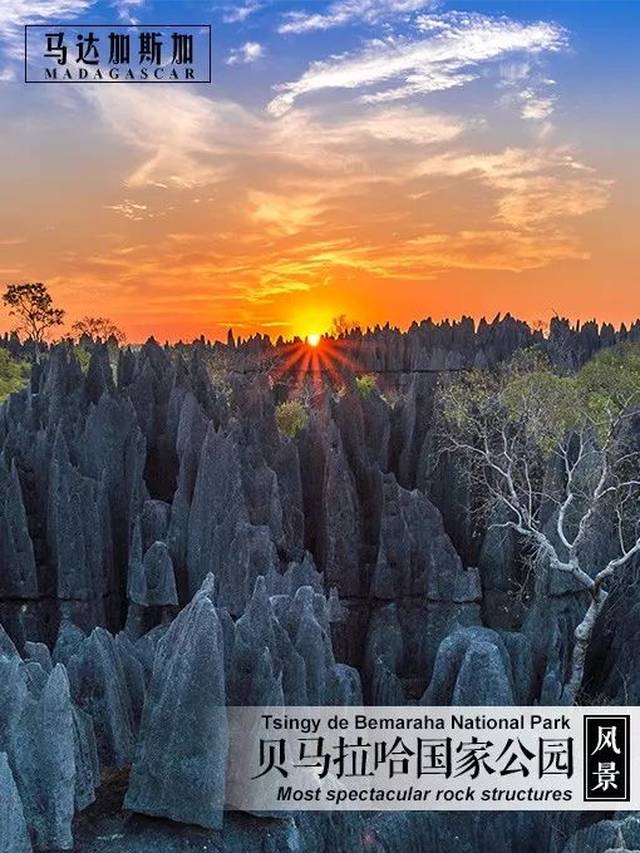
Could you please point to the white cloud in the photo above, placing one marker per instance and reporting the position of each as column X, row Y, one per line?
column 241, row 13
column 129, row 209
column 184, row 138
column 536, row 107
column 303, row 132
column 534, row 187
column 450, row 53
column 348, row 11
column 407, row 124
column 250, row 51
column 500, row 249
column 125, row 7
column 529, row 91
column 283, row 214
column 14, row 14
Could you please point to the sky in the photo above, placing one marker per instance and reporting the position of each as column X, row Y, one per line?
column 384, row 159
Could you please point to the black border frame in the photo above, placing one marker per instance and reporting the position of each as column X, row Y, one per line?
column 116, row 27
column 591, row 799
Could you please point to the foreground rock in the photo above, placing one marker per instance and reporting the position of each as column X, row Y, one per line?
column 179, row 767
column 13, row 828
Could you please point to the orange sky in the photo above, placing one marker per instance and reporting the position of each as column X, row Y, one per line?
column 181, row 210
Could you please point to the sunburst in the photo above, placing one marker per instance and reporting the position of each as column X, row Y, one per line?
column 317, row 358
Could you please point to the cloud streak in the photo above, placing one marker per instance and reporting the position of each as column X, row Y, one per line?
column 238, row 14
column 186, row 152
column 14, row 14
column 534, row 187
column 351, row 11
column 449, row 53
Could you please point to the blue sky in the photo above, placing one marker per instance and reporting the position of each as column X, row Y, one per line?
column 477, row 156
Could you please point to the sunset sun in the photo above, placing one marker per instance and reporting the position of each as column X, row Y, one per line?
column 313, row 339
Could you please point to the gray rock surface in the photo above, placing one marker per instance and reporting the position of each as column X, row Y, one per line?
column 14, row 837
column 345, row 568
column 179, row 766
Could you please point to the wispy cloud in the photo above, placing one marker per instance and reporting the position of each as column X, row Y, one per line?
column 186, row 152
column 344, row 12
column 14, row 14
column 535, row 106
column 238, row 14
column 530, row 90
column 313, row 137
column 284, row 214
column 534, row 187
column 399, row 124
column 450, row 52
column 253, row 208
column 250, row 51
column 309, row 196
column 125, row 9
column 129, row 209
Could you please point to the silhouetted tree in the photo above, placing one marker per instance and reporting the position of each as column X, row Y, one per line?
column 342, row 325
column 98, row 327
column 31, row 302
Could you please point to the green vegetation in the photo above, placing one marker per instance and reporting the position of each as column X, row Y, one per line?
column 14, row 374
column 291, row 417
column 218, row 369
column 84, row 357
column 534, row 439
column 545, row 406
column 366, row 384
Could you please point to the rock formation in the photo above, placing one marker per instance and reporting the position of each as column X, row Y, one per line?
column 165, row 550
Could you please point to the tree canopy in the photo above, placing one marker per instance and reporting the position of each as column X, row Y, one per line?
column 101, row 328
column 556, row 453
column 14, row 374
column 33, row 305
column 542, row 405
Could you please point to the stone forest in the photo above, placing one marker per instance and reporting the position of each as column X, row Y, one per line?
column 194, row 526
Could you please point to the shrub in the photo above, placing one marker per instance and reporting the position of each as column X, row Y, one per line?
column 14, row 374
column 84, row 357
column 291, row 417
column 366, row 384
column 218, row 369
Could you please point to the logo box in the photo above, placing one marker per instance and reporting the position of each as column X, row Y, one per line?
column 117, row 53
column 607, row 752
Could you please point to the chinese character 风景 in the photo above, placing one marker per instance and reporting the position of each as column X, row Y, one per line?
column 607, row 740
column 606, row 774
